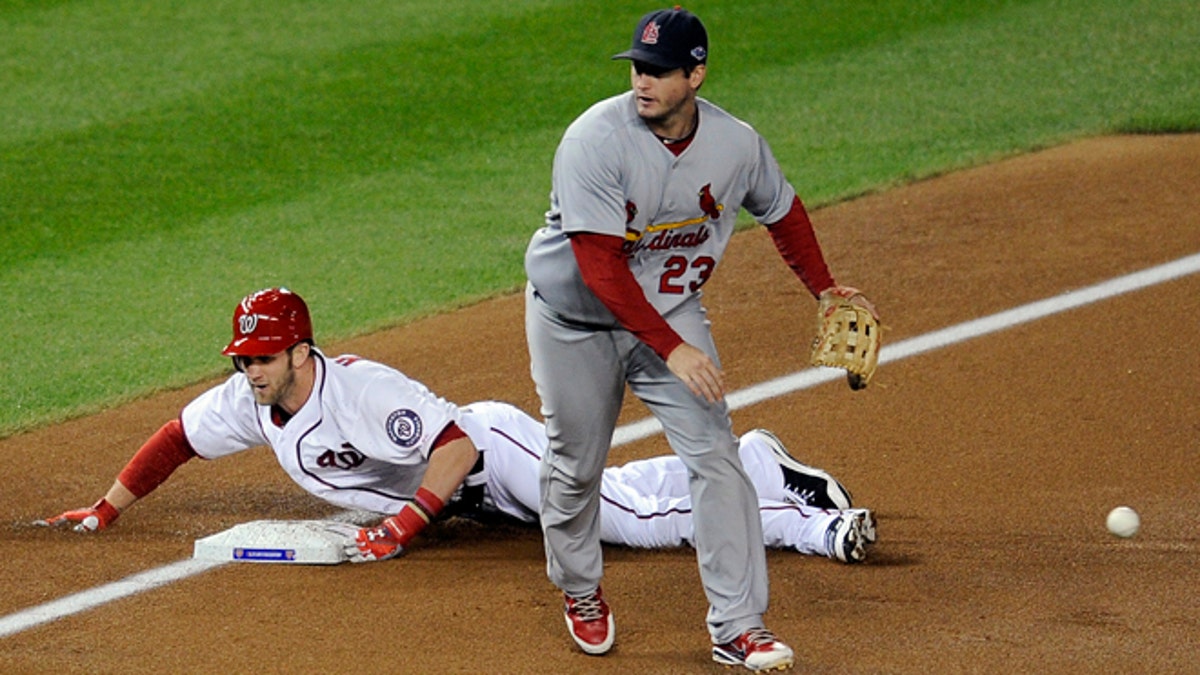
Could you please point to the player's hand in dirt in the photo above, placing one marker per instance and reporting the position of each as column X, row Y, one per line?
column 99, row 516
column 698, row 372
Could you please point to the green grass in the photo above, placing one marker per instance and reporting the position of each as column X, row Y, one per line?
column 388, row 160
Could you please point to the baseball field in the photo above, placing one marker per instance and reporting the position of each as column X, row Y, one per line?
column 1015, row 187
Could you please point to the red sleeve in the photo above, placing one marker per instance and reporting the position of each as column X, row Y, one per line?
column 605, row 271
column 167, row 450
column 452, row 432
column 797, row 243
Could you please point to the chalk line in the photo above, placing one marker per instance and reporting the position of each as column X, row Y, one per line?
column 94, row 597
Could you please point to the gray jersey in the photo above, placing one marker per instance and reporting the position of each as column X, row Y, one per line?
column 676, row 215
column 612, row 175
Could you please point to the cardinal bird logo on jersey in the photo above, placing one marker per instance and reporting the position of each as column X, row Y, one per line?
column 665, row 236
column 708, row 203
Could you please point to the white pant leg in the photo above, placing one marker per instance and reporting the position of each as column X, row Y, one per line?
column 646, row 504
column 512, row 444
column 785, row 524
column 762, row 468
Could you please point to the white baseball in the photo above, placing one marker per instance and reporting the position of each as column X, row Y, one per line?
column 1123, row 521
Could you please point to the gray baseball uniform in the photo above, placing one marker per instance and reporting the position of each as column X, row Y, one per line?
column 613, row 176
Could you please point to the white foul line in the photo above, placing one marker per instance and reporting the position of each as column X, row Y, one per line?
column 945, row 337
column 144, row 581
column 94, row 597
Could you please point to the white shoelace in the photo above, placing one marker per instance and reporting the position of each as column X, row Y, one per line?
column 760, row 636
column 589, row 608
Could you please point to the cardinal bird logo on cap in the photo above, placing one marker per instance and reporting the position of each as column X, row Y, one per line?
column 650, row 33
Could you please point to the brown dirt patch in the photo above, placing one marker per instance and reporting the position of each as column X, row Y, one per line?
column 991, row 465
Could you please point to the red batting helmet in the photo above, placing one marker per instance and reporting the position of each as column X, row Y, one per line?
column 268, row 322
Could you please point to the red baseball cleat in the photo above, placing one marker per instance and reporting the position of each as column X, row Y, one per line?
column 590, row 622
column 756, row 649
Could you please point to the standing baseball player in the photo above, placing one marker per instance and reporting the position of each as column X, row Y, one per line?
column 646, row 189
column 365, row 437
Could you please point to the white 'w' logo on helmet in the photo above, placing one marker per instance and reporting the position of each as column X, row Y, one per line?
column 247, row 323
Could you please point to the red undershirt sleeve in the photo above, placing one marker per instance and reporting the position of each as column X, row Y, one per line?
column 604, row 269
column 167, row 450
column 452, row 432
column 797, row 242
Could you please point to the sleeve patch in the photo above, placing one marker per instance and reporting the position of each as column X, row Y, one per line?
column 404, row 427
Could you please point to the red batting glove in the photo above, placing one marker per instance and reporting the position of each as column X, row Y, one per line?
column 380, row 542
column 99, row 516
column 388, row 539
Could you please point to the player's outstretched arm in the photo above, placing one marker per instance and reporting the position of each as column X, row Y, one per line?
column 449, row 464
column 90, row 519
column 157, row 459
column 797, row 243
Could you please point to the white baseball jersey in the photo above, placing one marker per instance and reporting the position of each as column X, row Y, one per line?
column 675, row 213
column 361, row 441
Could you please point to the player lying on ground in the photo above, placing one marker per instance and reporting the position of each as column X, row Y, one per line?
column 364, row 436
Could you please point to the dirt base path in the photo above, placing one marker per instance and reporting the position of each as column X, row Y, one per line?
column 991, row 465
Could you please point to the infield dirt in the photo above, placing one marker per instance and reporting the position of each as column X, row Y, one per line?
column 991, row 465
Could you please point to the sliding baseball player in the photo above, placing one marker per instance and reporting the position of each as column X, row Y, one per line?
column 363, row 436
